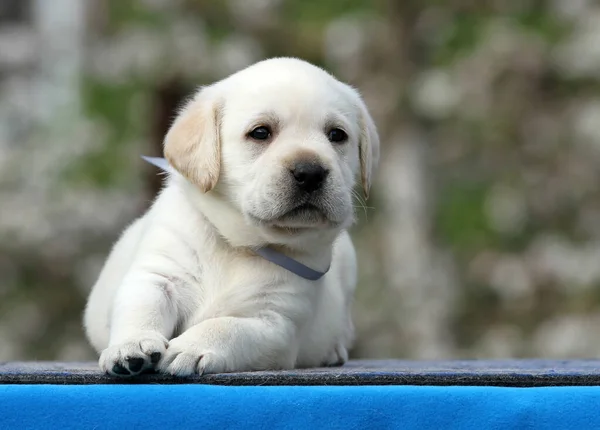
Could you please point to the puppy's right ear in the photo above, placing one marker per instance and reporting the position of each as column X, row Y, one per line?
column 192, row 144
column 368, row 149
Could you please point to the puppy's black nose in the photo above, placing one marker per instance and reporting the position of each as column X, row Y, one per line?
column 309, row 175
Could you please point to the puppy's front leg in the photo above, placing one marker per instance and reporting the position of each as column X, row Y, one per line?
column 143, row 317
column 232, row 344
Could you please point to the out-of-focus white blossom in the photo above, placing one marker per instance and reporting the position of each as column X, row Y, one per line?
column 256, row 13
column 235, row 53
column 18, row 47
column 571, row 9
column 510, row 278
column 572, row 267
column 568, row 336
column 135, row 52
column 506, row 209
column 579, row 55
column 500, row 341
column 586, row 123
column 344, row 45
column 435, row 94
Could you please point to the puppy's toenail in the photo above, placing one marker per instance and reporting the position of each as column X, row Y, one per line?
column 135, row 364
column 120, row 370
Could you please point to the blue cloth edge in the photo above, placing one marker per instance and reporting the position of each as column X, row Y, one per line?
column 344, row 407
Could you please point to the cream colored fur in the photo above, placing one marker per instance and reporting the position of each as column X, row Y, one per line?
column 182, row 289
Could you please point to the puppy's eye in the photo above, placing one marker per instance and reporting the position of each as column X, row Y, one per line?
column 337, row 135
column 260, row 133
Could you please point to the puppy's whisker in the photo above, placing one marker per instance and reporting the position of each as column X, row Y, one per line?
column 361, row 200
column 361, row 203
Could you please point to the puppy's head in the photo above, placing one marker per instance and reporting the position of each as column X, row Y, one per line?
column 282, row 140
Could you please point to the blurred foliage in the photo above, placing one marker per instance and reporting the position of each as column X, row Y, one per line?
column 480, row 237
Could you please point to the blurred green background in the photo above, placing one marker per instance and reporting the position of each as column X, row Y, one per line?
column 482, row 236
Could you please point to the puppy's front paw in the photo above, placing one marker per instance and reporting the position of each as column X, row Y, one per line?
column 132, row 357
column 187, row 357
column 337, row 357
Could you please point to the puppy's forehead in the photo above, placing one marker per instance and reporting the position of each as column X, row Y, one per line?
column 290, row 94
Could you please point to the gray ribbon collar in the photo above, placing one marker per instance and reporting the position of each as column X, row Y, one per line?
column 265, row 252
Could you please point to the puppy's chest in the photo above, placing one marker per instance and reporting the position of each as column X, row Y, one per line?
column 215, row 271
column 237, row 284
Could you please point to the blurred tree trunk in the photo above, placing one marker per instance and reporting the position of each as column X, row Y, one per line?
column 419, row 279
column 167, row 98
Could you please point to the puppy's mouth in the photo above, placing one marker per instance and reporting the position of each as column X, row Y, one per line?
column 301, row 217
column 304, row 210
column 304, row 215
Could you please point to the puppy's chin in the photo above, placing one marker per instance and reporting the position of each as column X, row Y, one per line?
column 302, row 218
column 304, row 215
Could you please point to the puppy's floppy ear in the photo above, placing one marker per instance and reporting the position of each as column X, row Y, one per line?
column 368, row 148
column 192, row 144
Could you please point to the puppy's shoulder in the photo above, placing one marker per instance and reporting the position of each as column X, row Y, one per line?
column 174, row 220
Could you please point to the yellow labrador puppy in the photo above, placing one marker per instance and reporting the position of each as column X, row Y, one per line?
column 243, row 262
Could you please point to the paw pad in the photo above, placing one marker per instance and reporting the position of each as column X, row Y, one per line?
column 120, row 370
column 135, row 364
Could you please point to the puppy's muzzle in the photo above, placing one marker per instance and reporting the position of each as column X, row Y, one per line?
column 309, row 175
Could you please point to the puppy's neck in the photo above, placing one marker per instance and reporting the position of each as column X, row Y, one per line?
column 312, row 248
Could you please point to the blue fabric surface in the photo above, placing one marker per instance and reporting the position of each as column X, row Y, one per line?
column 296, row 407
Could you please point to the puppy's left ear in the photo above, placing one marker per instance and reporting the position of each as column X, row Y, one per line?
column 368, row 148
column 192, row 144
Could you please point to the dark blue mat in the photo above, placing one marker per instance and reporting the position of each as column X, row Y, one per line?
column 507, row 373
